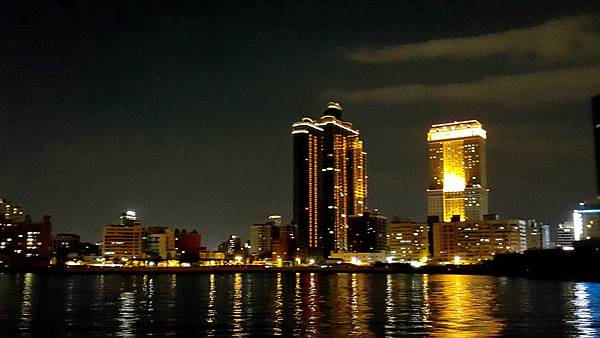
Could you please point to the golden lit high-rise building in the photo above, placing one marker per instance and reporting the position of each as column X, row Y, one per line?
column 330, row 181
column 457, row 171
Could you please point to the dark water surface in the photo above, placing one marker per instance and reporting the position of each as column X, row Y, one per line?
column 295, row 304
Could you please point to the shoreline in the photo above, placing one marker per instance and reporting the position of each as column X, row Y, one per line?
column 476, row 270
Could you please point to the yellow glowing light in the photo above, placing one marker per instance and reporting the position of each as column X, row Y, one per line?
column 454, row 182
column 238, row 258
column 334, row 105
column 454, row 130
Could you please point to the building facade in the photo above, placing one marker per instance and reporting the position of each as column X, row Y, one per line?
column 125, row 240
column 330, row 181
column 65, row 244
column 231, row 247
column 260, row 239
column 11, row 213
column 457, row 171
column 367, row 232
column 565, row 234
column 586, row 221
column 283, row 242
column 538, row 235
column 188, row 242
column 473, row 242
column 159, row 243
column 25, row 243
column 408, row 241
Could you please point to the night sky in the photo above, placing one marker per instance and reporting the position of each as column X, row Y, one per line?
column 183, row 112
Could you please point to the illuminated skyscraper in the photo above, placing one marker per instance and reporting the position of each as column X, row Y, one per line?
column 457, row 171
column 330, row 181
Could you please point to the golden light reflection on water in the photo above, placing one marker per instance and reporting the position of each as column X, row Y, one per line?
column 212, row 295
column 26, row 300
column 237, row 313
column 425, row 309
column 303, row 304
column 354, row 305
column 297, row 304
column 278, row 306
column 310, row 304
column 461, row 309
column 390, row 305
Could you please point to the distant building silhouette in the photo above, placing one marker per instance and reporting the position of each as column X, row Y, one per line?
column 64, row 245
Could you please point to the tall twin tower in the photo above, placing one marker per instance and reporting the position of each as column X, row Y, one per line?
column 330, row 177
column 330, row 181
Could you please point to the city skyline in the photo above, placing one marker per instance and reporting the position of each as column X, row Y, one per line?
column 121, row 113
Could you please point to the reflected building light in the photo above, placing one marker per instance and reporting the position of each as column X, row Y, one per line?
column 70, row 319
column 297, row 302
column 238, row 320
column 278, row 311
column 389, row 303
column 584, row 322
column 127, row 316
column 212, row 295
column 426, row 306
column 354, row 305
column 26, row 301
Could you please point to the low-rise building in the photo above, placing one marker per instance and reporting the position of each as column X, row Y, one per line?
column 231, row 247
column 159, row 242
column 188, row 242
column 25, row 243
column 408, row 241
column 123, row 241
column 64, row 245
column 565, row 234
column 367, row 232
column 538, row 235
column 473, row 242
